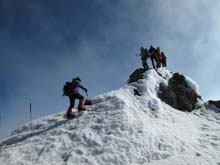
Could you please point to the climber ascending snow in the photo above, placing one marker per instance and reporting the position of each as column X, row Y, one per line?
column 71, row 89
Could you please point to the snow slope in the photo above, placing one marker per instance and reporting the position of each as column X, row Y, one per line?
column 121, row 129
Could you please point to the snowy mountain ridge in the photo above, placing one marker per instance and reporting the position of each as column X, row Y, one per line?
column 122, row 128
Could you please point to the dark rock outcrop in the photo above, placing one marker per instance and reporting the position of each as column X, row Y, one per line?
column 136, row 92
column 178, row 94
column 216, row 103
column 136, row 75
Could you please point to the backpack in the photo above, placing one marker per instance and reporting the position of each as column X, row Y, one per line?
column 151, row 50
column 67, row 89
column 142, row 51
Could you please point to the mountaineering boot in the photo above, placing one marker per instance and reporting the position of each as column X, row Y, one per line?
column 69, row 110
column 80, row 107
column 70, row 115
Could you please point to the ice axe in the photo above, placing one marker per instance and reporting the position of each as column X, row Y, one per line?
column 87, row 94
column 87, row 101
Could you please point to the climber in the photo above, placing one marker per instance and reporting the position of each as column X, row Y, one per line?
column 144, row 56
column 158, row 57
column 152, row 52
column 163, row 60
column 71, row 90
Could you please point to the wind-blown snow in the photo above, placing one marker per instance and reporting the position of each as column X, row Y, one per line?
column 120, row 129
column 192, row 84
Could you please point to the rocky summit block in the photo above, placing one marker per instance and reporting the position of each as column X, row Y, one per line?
column 215, row 102
column 136, row 75
column 179, row 94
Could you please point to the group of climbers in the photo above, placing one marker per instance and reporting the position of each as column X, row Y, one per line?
column 157, row 57
column 71, row 89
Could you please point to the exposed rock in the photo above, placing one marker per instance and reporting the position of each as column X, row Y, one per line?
column 136, row 75
column 178, row 94
column 136, row 92
column 214, row 102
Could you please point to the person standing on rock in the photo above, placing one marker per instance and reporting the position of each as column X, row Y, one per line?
column 157, row 57
column 152, row 52
column 163, row 60
column 144, row 56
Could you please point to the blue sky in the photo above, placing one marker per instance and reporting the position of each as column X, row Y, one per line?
column 45, row 43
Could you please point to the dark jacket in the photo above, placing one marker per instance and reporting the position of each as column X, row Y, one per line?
column 76, row 85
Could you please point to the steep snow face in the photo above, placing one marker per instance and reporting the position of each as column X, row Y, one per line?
column 122, row 128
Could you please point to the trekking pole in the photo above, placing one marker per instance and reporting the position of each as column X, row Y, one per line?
column 87, row 94
column 30, row 106
column 30, row 111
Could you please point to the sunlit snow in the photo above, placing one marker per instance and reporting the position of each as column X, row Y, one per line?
column 120, row 129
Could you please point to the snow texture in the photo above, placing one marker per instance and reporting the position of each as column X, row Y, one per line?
column 192, row 84
column 121, row 129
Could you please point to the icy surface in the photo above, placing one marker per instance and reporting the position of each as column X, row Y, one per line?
column 121, row 129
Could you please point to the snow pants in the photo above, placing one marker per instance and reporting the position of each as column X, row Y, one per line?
column 73, row 97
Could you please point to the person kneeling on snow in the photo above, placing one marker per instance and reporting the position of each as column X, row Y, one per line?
column 74, row 94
